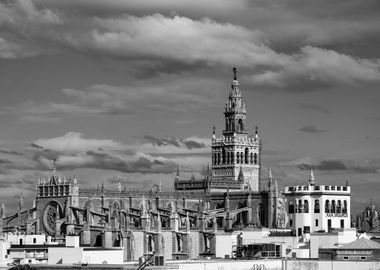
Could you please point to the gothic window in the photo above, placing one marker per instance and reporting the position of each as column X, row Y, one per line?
column 226, row 123
column 291, row 207
column 241, row 157
column 179, row 243
column 333, row 206
column 232, row 157
column 261, row 214
column 223, row 156
column 316, row 206
column 237, row 157
column 344, row 206
column 306, row 206
column 232, row 125
column 228, row 157
column 327, row 206
column 251, row 158
column 150, row 243
column 241, row 125
column 214, row 159
column 255, row 158
column 246, row 154
column 339, row 207
column 218, row 158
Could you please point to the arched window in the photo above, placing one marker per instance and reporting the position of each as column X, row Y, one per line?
column 232, row 157
column 241, row 157
column 223, row 156
column 237, row 157
column 300, row 208
column 227, row 123
column 339, row 207
column 327, row 206
column 344, row 206
column 246, row 154
column 333, row 206
column 228, row 157
column 241, row 125
column 218, row 158
column 215, row 158
column 316, row 206
column 232, row 125
column 291, row 207
column 306, row 206
column 255, row 158
column 251, row 158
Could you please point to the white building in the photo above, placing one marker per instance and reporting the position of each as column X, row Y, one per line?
column 314, row 208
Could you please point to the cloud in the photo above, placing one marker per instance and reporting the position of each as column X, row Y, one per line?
column 311, row 129
column 172, row 43
column 338, row 165
column 318, row 68
column 187, row 96
column 158, row 155
column 189, row 143
column 325, row 165
column 74, row 142
column 10, row 152
column 313, row 107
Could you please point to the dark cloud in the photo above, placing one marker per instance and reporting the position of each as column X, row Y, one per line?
column 311, row 129
column 10, row 152
column 162, row 141
column 338, row 165
column 191, row 144
column 325, row 165
column 33, row 145
column 313, row 107
column 4, row 161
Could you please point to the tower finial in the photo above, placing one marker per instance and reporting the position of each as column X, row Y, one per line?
column 54, row 168
column 311, row 178
column 235, row 73
column 270, row 176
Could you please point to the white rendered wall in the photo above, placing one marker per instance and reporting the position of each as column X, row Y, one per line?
column 100, row 256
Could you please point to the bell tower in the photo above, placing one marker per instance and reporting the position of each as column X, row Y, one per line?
column 235, row 155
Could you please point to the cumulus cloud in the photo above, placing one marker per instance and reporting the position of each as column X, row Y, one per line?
column 160, row 41
column 316, row 67
column 153, row 155
column 74, row 142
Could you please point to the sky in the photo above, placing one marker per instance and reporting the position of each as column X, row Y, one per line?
column 123, row 90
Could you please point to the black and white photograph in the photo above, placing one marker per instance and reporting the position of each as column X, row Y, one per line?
column 174, row 134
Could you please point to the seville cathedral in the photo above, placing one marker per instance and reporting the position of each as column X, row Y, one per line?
column 185, row 223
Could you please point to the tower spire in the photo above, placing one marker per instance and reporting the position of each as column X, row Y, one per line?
column 270, row 176
column 234, row 70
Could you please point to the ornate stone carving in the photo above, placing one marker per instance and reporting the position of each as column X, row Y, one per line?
column 51, row 214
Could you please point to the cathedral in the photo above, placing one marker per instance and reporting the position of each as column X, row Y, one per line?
column 182, row 224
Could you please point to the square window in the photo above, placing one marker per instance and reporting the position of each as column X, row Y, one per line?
column 363, row 258
column 291, row 222
column 316, row 223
